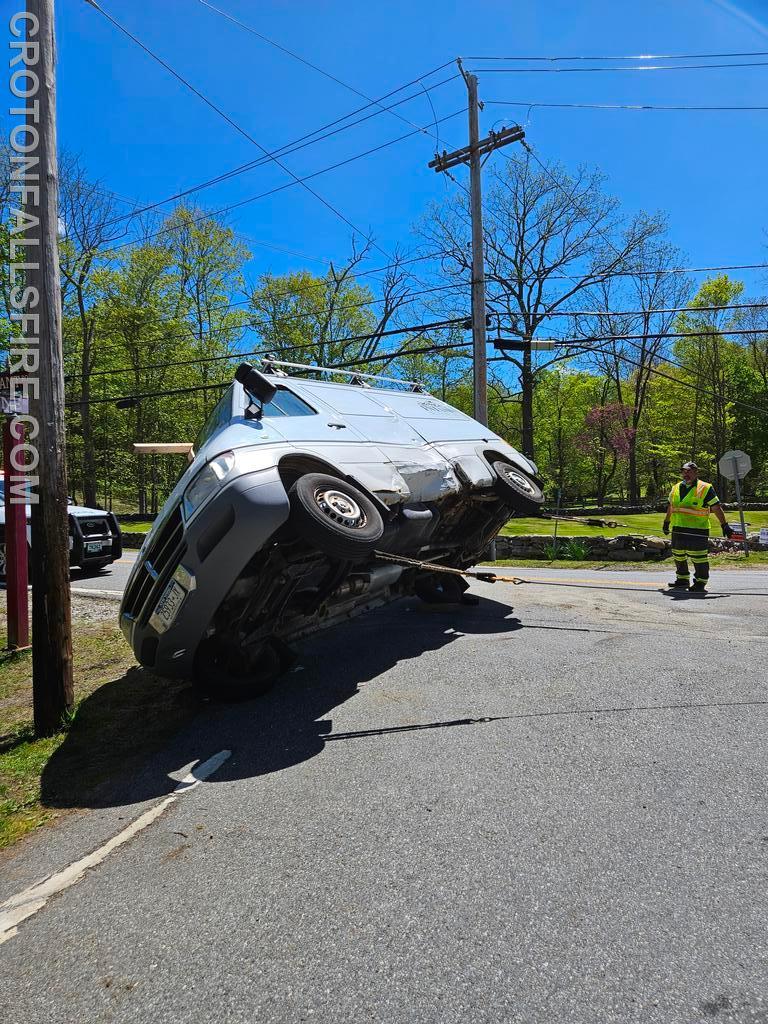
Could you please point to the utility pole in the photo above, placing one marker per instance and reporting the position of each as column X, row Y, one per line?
column 473, row 154
column 52, row 694
column 480, row 360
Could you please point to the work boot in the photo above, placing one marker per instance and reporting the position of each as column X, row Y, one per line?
column 698, row 587
column 678, row 585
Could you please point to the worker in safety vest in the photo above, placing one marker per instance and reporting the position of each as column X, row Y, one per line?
column 690, row 504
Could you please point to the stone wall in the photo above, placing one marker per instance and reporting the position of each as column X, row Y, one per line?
column 610, row 549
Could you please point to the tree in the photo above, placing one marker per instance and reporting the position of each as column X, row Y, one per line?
column 637, row 345
column 89, row 224
column 326, row 320
column 549, row 237
column 209, row 264
column 606, row 439
column 709, row 358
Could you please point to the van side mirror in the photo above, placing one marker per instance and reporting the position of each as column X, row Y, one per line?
column 255, row 383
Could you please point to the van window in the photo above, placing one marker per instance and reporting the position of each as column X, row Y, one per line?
column 285, row 403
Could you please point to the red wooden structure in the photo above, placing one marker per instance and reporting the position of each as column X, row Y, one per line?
column 16, row 568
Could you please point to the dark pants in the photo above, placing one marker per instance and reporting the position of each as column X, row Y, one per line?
column 693, row 544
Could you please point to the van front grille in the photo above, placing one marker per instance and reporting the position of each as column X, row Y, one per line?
column 157, row 563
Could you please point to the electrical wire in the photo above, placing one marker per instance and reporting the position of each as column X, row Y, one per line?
column 289, row 148
column 273, row 191
column 671, row 309
column 637, row 56
column 644, row 67
column 386, row 356
column 615, row 106
column 230, row 121
column 254, row 324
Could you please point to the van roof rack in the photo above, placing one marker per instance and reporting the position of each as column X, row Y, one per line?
column 358, row 378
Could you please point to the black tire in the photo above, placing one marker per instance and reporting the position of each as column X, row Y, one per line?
column 226, row 673
column 440, row 588
column 335, row 517
column 517, row 489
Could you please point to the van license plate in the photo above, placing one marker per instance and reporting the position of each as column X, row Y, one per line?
column 167, row 608
column 94, row 547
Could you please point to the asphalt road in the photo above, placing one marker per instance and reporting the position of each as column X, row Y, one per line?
column 556, row 812
column 109, row 581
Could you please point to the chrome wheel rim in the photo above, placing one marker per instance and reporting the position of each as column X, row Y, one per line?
column 341, row 508
column 519, row 480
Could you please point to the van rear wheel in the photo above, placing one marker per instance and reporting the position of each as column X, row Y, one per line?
column 335, row 517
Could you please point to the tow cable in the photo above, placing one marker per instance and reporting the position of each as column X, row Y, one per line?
column 484, row 577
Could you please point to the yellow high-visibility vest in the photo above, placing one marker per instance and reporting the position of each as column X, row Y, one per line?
column 690, row 512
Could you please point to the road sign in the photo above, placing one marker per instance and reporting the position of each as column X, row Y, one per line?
column 734, row 464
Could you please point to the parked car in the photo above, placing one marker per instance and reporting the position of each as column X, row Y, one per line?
column 94, row 535
column 294, row 486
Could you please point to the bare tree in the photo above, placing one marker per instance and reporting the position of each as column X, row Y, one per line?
column 89, row 224
column 646, row 295
column 549, row 237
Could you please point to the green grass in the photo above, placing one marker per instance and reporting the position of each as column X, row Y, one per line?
column 646, row 525
column 122, row 713
column 141, row 527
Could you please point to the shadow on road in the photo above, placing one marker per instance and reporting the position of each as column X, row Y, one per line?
column 281, row 729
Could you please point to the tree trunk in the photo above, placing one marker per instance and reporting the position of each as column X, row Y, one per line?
column 634, row 490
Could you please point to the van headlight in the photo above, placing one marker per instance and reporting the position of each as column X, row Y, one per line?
column 207, row 482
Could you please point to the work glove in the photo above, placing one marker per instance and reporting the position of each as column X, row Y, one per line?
column 727, row 530
column 665, row 527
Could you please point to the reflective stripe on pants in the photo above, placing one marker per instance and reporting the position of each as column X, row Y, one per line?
column 687, row 544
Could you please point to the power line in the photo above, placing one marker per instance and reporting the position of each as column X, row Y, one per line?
column 230, row 121
column 615, row 106
column 671, row 309
column 637, row 56
column 683, row 383
column 644, row 67
column 273, row 191
column 386, row 356
column 309, row 64
column 289, row 148
column 255, row 324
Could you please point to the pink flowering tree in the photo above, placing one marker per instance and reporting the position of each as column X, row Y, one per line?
column 607, row 438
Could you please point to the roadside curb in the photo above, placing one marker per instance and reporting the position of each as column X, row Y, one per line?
column 101, row 595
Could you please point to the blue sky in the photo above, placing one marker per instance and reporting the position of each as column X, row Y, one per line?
column 139, row 131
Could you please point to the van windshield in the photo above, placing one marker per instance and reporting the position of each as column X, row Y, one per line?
column 218, row 418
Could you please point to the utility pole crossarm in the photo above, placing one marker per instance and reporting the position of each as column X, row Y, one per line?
column 494, row 140
column 473, row 154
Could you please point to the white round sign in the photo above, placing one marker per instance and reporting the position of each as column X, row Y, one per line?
column 734, row 464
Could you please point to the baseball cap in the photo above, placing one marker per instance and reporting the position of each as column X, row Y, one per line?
column 689, row 465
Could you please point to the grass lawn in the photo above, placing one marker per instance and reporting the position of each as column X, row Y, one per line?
column 122, row 713
column 141, row 527
column 647, row 525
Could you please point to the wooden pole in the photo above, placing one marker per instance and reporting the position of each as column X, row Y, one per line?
column 480, row 364
column 52, row 693
column 16, row 569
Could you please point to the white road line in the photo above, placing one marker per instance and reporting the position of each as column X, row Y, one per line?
column 18, row 908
